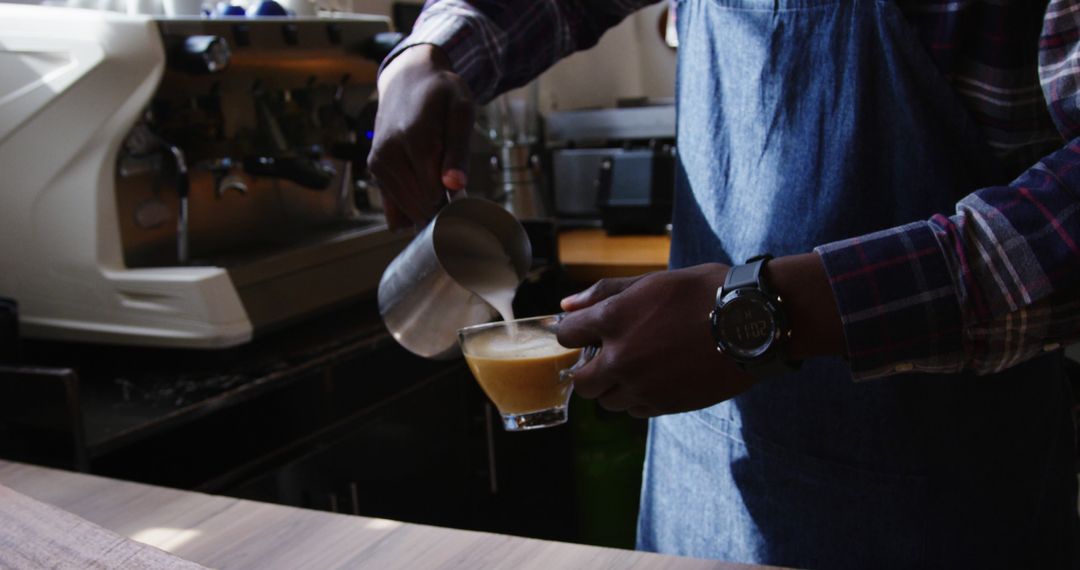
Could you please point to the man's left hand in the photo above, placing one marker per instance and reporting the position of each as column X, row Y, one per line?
column 657, row 352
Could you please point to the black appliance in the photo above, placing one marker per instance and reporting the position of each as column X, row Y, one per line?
column 636, row 189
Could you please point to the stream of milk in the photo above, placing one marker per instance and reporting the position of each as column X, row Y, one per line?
column 474, row 257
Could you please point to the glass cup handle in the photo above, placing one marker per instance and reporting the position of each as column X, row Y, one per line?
column 587, row 354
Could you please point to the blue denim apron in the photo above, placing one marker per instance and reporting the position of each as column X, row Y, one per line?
column 802, row 122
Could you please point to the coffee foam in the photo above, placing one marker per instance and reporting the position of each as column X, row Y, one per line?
column 524, row 344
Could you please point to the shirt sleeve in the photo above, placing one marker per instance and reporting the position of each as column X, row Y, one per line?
column 499, row 45
column 991, row 286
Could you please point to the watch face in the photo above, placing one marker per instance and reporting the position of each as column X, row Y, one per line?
column 746, row 326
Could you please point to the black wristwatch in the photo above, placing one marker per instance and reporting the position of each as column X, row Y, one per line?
column 749, row 324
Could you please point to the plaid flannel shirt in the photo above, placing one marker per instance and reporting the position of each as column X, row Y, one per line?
column 994, row 284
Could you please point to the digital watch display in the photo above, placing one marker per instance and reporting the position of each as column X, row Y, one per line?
column 747, row 325
column 748, row 322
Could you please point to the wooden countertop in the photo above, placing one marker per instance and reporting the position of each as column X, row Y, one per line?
column 589, row 255
column 222, row 532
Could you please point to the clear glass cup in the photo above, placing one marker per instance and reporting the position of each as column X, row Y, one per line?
column 523, row 369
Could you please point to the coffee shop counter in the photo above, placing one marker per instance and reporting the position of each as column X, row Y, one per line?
column 590, row 254
column 222, row 532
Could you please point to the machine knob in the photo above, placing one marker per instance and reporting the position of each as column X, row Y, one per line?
column 199, row 54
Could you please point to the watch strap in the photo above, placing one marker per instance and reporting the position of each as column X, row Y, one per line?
column 747, row 274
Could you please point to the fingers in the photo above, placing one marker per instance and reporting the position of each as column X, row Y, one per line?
column 591, row 381
column 600, row 290
column 602, row 378
column 615, row 399
column 582, row 328
column 460, row 115
column 455, row 180
column 429, row 194
column 393, row 172
column 395, row 218
column 422, row 130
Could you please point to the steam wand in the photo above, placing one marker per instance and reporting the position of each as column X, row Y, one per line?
column 182, row 189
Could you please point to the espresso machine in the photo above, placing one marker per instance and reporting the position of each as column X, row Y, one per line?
column 184, row 182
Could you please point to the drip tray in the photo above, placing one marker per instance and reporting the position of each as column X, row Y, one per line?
column 309, row 277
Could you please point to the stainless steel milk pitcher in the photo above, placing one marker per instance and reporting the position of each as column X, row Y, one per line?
column 422, row 304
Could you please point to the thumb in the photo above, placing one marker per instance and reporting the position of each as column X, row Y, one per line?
column 600, row 290
column 458, row 130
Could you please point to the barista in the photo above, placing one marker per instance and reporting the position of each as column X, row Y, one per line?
column 888, row 390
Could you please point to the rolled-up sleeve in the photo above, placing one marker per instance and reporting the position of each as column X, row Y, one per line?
column 499, row 45
column 996, row 283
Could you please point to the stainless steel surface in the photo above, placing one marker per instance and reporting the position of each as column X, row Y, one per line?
column 421, row 304
column 327, row 269
column 603, row 125
column 517, row 176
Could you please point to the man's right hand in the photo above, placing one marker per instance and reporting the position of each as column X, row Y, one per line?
column 422, row 130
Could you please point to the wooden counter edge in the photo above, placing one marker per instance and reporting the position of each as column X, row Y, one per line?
column 234, row 533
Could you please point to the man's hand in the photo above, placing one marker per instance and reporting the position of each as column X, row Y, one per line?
column 422, row 131
column 658, row 356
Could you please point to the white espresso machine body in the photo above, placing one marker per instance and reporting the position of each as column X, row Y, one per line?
column 75, row 86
